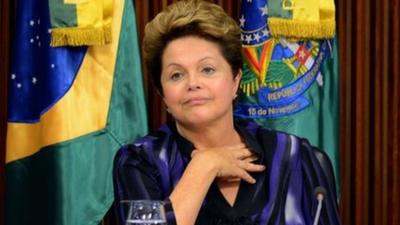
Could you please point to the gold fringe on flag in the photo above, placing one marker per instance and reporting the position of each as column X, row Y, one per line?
column 80, row 36
column 308, row 19
column 81, row 22
column 302, row 29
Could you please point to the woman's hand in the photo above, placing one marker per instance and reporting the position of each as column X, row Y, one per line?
column 230, row 162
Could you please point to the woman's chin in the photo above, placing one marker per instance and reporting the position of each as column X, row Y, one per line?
column 199, row 119
column 194, row 119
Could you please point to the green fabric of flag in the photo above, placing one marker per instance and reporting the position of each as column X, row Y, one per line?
column 69, row 182
column 289, row 85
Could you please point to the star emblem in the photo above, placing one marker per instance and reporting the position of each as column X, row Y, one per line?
column 257, row 37
column 264, row 10
column 248, row 38
column 242, row 20
column 265, row 32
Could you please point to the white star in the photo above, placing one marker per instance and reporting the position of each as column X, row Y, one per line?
column 242, row 20
column 249, row 0
column 32, row 40
column 248, row 38
column 13, row 76
column 52, row 66
column 49, row 30
column 34, row 80
column 257, row 37
column 31, row 22
column 19, row 85
column 39, row 44
column 264, row 10
column 38, row 21
column 265, row 32
column 37, row 37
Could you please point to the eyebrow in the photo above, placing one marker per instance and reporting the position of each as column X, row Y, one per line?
column 173, row 64
column 200, row 60
column 207, row 57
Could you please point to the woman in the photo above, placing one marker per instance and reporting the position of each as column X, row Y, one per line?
column 209, row 168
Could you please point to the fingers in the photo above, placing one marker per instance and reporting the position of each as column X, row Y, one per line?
column 242, row 174
column 243, row 168
column 230, row 179
column 251, row 158
column 232, row 162
column 242, row 153
column 251, row 167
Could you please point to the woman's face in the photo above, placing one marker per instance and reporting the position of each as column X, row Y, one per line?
column 197, row 82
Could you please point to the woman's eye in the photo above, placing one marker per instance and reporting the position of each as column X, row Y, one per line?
column 176, row 76
column 208, row 70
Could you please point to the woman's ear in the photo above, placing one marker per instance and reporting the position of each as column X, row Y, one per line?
column 237, row 80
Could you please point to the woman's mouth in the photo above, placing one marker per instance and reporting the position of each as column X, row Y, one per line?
column 196, row 101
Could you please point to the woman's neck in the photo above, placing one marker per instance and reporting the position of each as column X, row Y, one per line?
column 211, row 135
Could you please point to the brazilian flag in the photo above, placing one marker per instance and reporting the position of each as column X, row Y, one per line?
column 69, row 111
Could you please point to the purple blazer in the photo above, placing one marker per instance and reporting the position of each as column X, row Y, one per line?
column 150, row 168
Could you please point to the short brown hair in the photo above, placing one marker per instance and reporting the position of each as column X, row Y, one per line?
column 191, row 18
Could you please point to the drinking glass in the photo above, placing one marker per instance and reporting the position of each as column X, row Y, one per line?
column 144, row 212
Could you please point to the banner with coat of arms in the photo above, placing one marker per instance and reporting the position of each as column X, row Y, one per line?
column 290, row 83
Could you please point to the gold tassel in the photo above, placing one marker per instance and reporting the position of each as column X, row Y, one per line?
column 302, row 30
column 80, row 36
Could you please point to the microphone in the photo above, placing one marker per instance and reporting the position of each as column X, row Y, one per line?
column 319, row 193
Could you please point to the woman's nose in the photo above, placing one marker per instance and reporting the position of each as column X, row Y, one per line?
column 194, row 83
